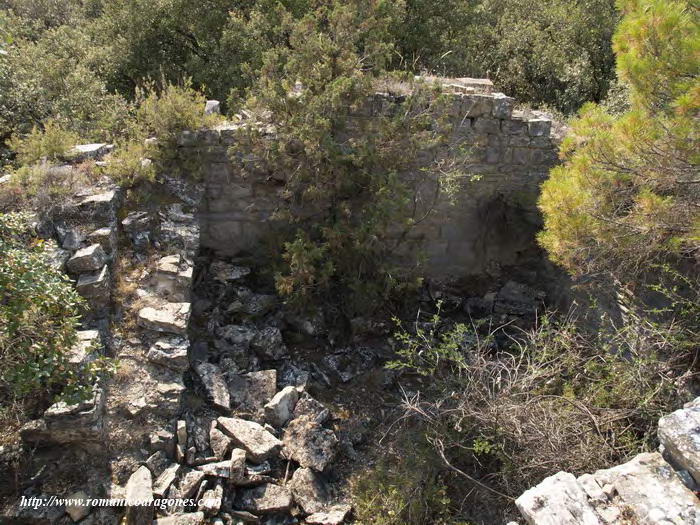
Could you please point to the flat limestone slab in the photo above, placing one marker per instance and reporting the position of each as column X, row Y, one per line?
column 258, row 442
column 169, row 317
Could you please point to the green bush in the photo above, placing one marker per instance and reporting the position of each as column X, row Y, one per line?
column 405, row 487
column 52, row 143
column 39, row 315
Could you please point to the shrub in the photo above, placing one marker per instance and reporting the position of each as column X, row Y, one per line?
column 558, row 398
column 50, row 143
column 405, row 487
column 347, row 201
column 39, row 312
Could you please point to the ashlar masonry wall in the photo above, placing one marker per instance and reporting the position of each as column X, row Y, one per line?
column 490, row 222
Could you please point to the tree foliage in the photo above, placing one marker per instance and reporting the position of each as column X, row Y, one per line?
column 627, row 193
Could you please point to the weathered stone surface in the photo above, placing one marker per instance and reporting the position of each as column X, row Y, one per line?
column 280, row 408
column 137, row 221
column 252, row 390
column 105, row 237
column 649, row 489
column 244, row 516
column 163, row 440
column 90, row 151
column 309, row 491
column 309, row 444
column 88, row 259
column 169, row 317
column 171, row 353
column 268, row 343
column 190, row 483
column 214, row 384
column 212, row 107
column 220, row 469
column 157, row 463
column 258, row 442
column 265, row 499
column 558, row 500
column 308, row 406
column 237, row 465
column 679, row 433
column 219, row 442
column 95, row 286
column 78, row 511
column 139, row 495
column 210, row 502
column 333, row 516
column 86, row 347
column 165, row 479
column 191, row 518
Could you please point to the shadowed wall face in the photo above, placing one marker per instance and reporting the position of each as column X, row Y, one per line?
column 490, row 221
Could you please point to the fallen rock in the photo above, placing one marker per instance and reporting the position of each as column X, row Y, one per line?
column 88, row 259
column 210, row 502
column 219, row 442
column 268, row 343
column 309, row 444
column 214, row 384
column 258, row 442
column 189, row 484
column 650, row 490
column 77, row 511
column 137, row 221
column 280, row 408
column 252, row 390
column 220, row 469
column 237, row 465
column 225, row 272
column 265, row 499
column 139, row 497
column 165, row 479
column 157, row 463
column 309, row 406
column 169, row 317
column 333, row 516
column 244, row 516
column 309, row 491
column 163, row 440
column 170, row 353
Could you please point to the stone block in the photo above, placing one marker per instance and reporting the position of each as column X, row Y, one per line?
column 477, row 105
column 521, row 155
column 679, row 433
column 105, row 237
column 502, row 106
column 168, row 317
column 487, row 125
column 88, row 259
column 539, row 127
column 95, row 286
column 514, row 127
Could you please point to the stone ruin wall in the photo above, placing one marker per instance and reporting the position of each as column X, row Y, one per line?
column 491, row 223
